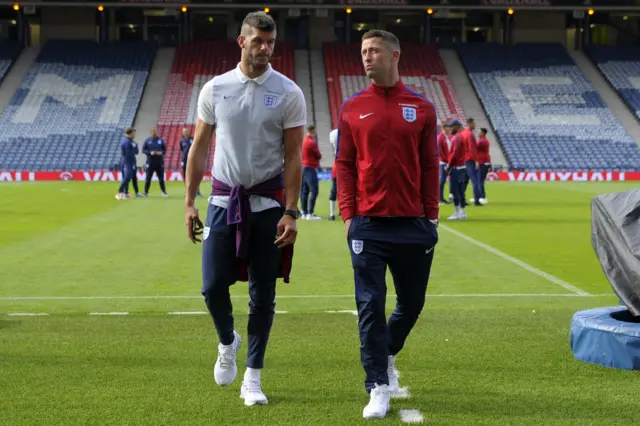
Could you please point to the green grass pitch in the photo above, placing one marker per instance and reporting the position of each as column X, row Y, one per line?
column 490, row 348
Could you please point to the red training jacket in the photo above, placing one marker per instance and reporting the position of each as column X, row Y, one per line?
column 483, row 150
column 443, row 148
column 471, row 145
column 458, row 150
column 387, row 164
column 310, row 153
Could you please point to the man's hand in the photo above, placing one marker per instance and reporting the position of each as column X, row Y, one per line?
column 287, row 231
column 347, row 224
column 477, row 165
column 193, row 224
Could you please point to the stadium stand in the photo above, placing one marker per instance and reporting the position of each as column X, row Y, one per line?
column 621, row 66
column 545, row 112
column 9, row 51
column 421, row 69
column 196, row 63
column 73, row 106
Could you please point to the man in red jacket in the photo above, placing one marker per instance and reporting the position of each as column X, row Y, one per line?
column 471, row 161
column 484, row 158
column 443, row 155
column 457, row 169
column 388, row 192
column 310, row 162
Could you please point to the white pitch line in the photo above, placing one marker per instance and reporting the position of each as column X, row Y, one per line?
column 411, row 416
column 189, row 313
column 518, row 262
column 108, row 313
column 28, row 314
column 301, row 296
column 344, row 311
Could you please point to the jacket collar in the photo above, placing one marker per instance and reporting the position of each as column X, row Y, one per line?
column 388, row 91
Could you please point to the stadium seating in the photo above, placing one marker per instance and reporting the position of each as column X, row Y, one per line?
column 196, row 63
column 545, row 112
column 621, row 66
column 9, row 51
column 421, row 69
column 72, row 107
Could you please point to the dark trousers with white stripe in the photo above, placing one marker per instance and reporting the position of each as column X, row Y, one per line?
column 410, row 266
column 219, row 272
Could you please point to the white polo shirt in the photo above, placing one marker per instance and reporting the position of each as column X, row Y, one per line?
column 250, row 116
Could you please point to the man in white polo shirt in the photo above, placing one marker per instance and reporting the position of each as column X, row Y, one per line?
column 258, row 115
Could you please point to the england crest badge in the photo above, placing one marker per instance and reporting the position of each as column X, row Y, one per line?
column 409, row 114
column 270, row 101
column 357, row 246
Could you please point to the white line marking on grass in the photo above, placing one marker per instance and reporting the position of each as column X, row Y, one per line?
column 403, row 393
column 518, row 262
column 28, row 314
column 302, row 296
column 411, row 416
column 189, row 313
column 108, row 313
column 344, row 311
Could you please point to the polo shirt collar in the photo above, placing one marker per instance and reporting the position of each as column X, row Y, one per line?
column 260, row 80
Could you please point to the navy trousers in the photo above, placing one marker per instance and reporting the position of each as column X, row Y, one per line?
column 309, row 192
column 128, row 173
column 134, row 177
column 458, row 179
column 406, row 246
column 219, row 272
column 472, row 175
column 443, row 180
column 483, row 172
column 333, row 195
column 157, row 167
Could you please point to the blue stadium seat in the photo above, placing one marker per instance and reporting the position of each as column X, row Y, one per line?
column 73, row 106
column 545, row 112
column 621, row 66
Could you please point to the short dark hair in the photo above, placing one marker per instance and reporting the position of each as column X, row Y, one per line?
column 470, row 120
column 386, row 36
column 129, row 130
column 483, row 130
column 311, row 127
column 259, row 20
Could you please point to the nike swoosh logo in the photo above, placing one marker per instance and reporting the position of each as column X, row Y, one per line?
column 365, row 115
column 227, row 97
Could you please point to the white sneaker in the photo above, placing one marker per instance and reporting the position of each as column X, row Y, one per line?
column 165, row 195
column 252, row 394
column 379, row 403
column 462, row 215
column 454, row 216
column 313, row 217
column 225, row 370
column 484, row 201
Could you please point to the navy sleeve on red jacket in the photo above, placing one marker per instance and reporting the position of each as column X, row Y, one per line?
column 346, row 171
column 430, row 169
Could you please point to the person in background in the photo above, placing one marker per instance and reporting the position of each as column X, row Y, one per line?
column 484, row 158
column 128, row 162
column 155, row 149
column 443, row 154
column 185, row 146
column 333, row 195
column 457, row 169
column 310, row 162
column 471, row 161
